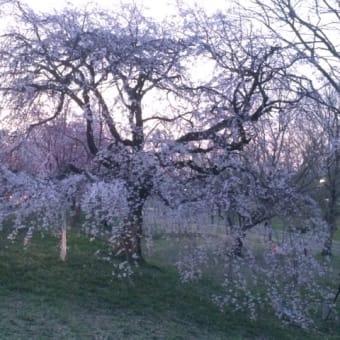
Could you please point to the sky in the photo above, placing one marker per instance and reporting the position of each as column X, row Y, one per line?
column 46, row 5
column 157, row 7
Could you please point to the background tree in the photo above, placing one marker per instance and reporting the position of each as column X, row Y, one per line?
column 308, row 30
column 319, row 172
column 48, row 149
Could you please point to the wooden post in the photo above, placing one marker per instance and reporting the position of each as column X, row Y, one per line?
column 63, row 240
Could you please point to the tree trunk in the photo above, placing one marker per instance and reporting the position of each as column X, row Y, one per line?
column 237, row 247
column 63, row 240
column 131, row 242
column 334, row 193
column 331, row 215
column 327, row 247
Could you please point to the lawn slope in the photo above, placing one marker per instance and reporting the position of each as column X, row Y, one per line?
column 44, row 298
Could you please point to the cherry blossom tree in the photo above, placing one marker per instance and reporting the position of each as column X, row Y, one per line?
column 196, row 112
column 113, row 66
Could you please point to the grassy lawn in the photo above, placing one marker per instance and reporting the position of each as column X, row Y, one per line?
column 44, row 298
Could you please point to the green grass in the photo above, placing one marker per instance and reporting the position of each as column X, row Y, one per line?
column 44, row 298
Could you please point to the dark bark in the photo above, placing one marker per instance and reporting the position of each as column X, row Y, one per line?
column 131, row 244
column 331, row 215
column 131, row 241
column 237, row 247
column 327, row 247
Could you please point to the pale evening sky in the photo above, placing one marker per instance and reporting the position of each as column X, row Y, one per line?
column 157, row 7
